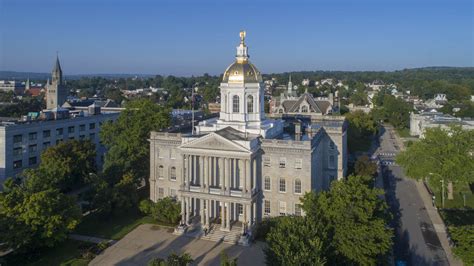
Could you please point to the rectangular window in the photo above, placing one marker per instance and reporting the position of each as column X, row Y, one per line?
column 266, row 207
column 172, row 156
column 297, row 209
column 17, row 151
column 46, row 144
column 282, row 208
column 298, row 163
column 282, row 185
column 58, row 141
column 267, row 162
column 32, row 161
column 240, row 208
column 59, row 132
column 282, row 162
column 46, row 133
column 173, row 173
column 92, row 136
column 332, row 162
column 32, row 136
column 32, row 148
column 172, row 193
column 70, row 129
column 92, row 126
column 82, row 127
column 267, row 184
column 17, row 139
column 17, row 164
column 82, row 137
column 161, row 192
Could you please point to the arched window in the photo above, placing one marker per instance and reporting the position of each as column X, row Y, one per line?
column 304, row 109
column 280, row 111
column 173, row 173
column 250, row 104
column 235, row 104
column 297, row 186
column 160, row 171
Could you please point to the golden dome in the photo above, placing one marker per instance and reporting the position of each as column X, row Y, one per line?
column 242, row 72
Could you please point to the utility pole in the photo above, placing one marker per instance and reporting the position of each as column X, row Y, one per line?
column 442, row 192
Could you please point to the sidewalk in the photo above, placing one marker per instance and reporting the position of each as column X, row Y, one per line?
column 91, row 239
column 435, row 218
column 438, row 223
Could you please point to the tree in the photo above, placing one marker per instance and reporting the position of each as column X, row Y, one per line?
column 226, row 261
column 463, row 237
column 165, row 210
column 352, row 220
column 395, row 111
column 65, row 166
column 113, row 198
column 172, row 260
column 442, row 154
column 31, row 219
column 361, row 128
column 127, row 139
column 294, row 241
column 365, row 167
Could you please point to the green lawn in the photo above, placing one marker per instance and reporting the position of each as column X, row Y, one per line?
column 114, row 227
column 403, row 133
column 66, row 253
column 458, row 201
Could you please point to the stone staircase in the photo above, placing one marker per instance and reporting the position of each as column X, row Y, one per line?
column 217, row 235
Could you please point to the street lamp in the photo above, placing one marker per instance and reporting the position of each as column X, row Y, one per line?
column 442, row 188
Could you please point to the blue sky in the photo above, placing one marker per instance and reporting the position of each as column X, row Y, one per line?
column 194, row 37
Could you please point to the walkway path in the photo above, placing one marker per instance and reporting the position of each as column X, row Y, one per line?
column 91, row 239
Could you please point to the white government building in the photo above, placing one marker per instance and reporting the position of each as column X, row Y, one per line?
column 242, row 167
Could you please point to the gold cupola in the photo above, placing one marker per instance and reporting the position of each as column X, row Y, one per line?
column 242, row 71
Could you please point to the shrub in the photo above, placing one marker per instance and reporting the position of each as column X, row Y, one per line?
column 166, row 210
column 145, row 206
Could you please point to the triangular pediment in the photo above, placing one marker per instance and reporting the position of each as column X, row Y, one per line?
column 214, row 141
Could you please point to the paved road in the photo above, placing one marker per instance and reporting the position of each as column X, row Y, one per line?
column 416, row 240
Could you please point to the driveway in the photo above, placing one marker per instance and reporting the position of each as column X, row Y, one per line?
column 148, row 241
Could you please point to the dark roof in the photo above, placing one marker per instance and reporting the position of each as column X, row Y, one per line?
column 57, row 66
column 234, row 134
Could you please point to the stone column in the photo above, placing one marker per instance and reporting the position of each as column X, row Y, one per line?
column 228, row 216
column 208, row 172
column 201, row 171
column 183, row 211
column 205, row 169
column 244, row 221
column 227, row 173
column 208, row 208
column 248, row 215
column 254, row 212
column 235, row 176
column 194, row 169
column 248, row 174
column 223, row 218
column 254, row 179
column 188, row 209
column 183, row 169
column 188, row 171
column 221, row 173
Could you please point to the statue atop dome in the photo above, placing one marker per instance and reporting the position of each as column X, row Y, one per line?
column 242, row 37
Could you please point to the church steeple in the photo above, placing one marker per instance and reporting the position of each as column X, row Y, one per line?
column 57, row 73
column 290, row 86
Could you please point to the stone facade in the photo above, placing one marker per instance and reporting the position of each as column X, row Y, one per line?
column 56, row 91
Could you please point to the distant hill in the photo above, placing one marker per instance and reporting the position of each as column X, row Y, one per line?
column 15, row 75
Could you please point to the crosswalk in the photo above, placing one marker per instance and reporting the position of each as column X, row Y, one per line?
column 388, row 163
column 387, row 154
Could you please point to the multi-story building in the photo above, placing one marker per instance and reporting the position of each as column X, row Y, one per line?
column 420, row 122
column 12, row 85
column 242, row 167
column 23, row 140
